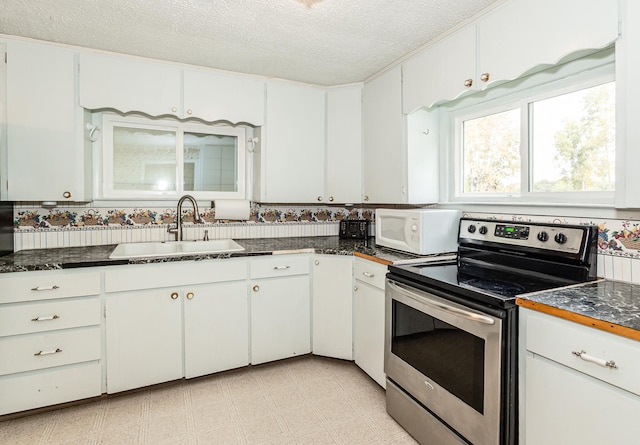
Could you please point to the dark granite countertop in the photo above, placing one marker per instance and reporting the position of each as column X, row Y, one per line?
column 612, row 306
column 73, row 257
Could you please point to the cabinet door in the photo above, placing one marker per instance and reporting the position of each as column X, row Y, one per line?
column 441, row 71
column 144, row 338
column 293, row 164
column 215, row 96
column 333, row 306
column 216, row 328
column 564, row 406
column 384, row 157
column 344, row 145
column 42, row 155
column 509, row 46
column 128, row 84
column 280, row 318
column 368, row 330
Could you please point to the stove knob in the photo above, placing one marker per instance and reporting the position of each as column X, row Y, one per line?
column 543, row 236
column 561, row 238
column 471, row 229
column 483, row 230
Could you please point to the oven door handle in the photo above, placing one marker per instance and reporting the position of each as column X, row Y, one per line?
column 438, row 305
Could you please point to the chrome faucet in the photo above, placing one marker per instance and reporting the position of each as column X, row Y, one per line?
column 196, row 216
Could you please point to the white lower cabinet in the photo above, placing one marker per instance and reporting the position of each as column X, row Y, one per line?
column 280, row 307
column 571, row 400
column 368, row 318
column 202, row 318
column 333, row 306
column 50, row 338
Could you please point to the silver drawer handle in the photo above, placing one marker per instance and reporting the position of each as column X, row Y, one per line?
column 53, row 351
column 50, row 317
column 598, row 361
column 281, row 267
column 368, row 274
column 38, row 288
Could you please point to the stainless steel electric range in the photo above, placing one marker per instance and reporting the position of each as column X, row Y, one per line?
column 451, row 328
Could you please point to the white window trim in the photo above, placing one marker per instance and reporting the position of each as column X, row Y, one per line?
column 590, row 71
column 104, row 168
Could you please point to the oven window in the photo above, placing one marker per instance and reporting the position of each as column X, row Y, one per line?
column 451, row 357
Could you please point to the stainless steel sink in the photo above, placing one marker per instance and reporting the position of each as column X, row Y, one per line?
column 174, row 248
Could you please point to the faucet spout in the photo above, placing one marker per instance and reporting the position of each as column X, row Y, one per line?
column 196, row 215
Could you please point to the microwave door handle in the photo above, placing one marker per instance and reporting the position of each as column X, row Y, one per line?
column 438, row 305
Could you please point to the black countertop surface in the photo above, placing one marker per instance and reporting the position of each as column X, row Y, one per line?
column 73, row 257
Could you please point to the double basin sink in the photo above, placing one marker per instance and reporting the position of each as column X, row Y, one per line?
column 174, row 248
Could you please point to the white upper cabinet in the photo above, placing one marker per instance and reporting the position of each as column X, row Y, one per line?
column 160, row 89
column 45, row 153
column 383, row 139
column 443, row 71
column 127, row 84
column 344, row 145
column 507, row 42
column 290, row 162
column 521, row 34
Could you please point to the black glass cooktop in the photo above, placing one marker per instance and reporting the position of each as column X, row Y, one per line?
column 489, row 284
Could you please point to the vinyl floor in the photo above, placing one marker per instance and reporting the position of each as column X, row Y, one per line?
column 305, row 400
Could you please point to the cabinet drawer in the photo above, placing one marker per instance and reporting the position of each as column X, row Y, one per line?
column 25, row 318
column 158, row 275
column 27, row 391
column 558, row 339
column 29, row 286
column 39, row 351
column 370, row 272
column 279, row 266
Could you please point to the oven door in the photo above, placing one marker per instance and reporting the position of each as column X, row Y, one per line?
column 446, row 356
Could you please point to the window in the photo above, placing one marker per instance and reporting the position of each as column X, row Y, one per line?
column 167, row 158
column 547, row 138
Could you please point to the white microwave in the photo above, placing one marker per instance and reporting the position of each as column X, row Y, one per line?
column 419, row 231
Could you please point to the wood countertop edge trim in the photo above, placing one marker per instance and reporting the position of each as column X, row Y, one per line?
column 612, row 328
column 373, row 258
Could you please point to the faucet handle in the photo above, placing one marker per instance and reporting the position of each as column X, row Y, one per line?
column 206, row 236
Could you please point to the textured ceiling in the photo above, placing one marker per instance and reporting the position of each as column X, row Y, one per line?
column 325, row 42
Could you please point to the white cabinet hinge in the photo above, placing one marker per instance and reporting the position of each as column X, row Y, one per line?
column 105, row 312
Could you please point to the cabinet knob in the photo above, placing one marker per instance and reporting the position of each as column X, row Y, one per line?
column 355, row 288
column 174, row 109
column 316, row 262
column 189, row 112
column 330, row 198
column 190, row 295
column 174, row 295
column 468, row 83
column 366, row 197
column 319, row 198
column 485, row 77
column 66, row 195
column 256, row 288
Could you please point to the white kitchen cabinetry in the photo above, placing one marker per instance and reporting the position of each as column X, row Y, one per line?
column 159, row 89
column 50, row 338
column 290, row 161
column 344, row 145
column 400, row 153
column 46, row 156
column 146, row 307
column 570, row 399
column 280, row 307
column 368, row 318
column 333, row 306
column 502, row 46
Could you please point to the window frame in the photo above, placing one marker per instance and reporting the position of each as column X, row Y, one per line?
column 573, row 76
column 111, row 120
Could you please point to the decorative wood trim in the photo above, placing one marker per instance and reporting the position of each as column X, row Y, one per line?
column 581, row 319
column 373, row 258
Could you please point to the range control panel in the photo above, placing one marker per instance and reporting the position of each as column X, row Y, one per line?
column 541, row 236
